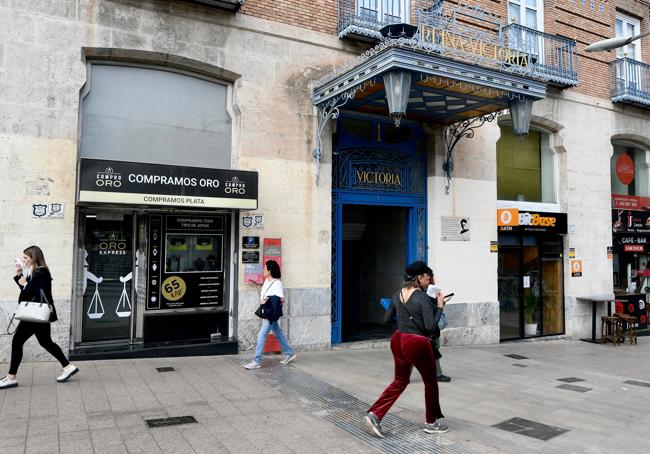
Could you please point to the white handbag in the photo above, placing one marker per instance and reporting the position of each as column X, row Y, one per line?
column 34, row 311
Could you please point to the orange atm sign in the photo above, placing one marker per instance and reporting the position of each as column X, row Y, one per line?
column 513, row 219
column 507, row 217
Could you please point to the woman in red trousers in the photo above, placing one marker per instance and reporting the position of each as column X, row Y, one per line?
column 417, row 320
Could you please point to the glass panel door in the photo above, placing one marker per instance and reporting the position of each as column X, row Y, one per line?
column 107, row 277
column 552, row 287
column 531, row 286
column 509, row 286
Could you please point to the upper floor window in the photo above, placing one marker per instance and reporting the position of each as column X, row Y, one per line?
column 390, row 11
column 628, row 26
column 525, row 167
column 529, row 13
column 152, row 115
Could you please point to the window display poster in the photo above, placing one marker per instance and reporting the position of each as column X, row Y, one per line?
column 272, row 250
column 253, row 273
column 634, row 305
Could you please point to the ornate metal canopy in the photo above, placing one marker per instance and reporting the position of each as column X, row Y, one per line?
column 457, row 72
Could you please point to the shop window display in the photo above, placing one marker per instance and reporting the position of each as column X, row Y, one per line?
column 192, row 253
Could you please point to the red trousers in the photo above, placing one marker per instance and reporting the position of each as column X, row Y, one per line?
column 411, row 350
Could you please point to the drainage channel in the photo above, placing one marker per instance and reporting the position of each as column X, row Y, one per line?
column 346, row 412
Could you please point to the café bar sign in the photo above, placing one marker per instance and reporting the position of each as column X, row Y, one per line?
column 137, row 183
column 515, row 220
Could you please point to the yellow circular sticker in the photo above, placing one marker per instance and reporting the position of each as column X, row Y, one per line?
column 173, row 288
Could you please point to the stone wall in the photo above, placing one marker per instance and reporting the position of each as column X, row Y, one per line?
column 42, row 72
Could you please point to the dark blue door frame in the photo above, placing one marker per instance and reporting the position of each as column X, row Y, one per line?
column 351, row 152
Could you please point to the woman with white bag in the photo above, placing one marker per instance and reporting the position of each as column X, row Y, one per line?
column 35, row 282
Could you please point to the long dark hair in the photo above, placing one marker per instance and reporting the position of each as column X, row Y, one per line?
column 273, row 268
column 36, row 254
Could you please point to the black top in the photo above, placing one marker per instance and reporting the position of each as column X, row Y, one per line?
column 424, row 310
column 41, row 279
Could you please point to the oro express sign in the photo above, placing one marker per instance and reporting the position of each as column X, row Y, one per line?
column 515, row 220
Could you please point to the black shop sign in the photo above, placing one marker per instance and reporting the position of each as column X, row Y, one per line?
column 630, row 222
column 137, row 183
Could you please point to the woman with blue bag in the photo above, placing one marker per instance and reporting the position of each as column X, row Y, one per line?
column 271, row 300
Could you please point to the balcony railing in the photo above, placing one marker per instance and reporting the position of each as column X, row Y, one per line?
column 519, row 49
column 362, row 19
column 630, row 82
column 550, row 57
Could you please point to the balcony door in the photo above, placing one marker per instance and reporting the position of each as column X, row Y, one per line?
column 384, row 11
column 628, row 75
column 529, row 14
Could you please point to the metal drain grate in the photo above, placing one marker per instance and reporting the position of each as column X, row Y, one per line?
column 530, row 428
column 174, row 421
column 165, row 369
column 637, row 383
column 571, row 379
column 346, row 412
column 580, row 389
column 516, row 356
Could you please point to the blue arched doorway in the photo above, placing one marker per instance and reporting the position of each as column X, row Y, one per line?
column 378, row 218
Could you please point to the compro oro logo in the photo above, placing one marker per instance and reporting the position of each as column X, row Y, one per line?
column 173, row 288
column 625, row 168
column 108, row 179
column 235, row 186
column 507, row 217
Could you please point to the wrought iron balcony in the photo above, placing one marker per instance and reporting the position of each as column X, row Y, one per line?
column 519, row 49
column 630, row 82
column 362, row 19
column 550, row 57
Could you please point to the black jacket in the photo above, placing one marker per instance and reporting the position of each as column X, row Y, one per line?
column 426, row 315
column 272, row 308
column 41, row 279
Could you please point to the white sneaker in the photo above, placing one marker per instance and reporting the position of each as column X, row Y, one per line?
column 66, row 375
column 6, row 383
column 288, row 359
column 438, row 427
column 252, row 365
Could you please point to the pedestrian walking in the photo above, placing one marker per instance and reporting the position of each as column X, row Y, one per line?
column 411, row 345
column 272, row 289
column 35, row 282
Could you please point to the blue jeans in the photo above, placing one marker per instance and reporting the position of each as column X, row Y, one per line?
column 261, row 340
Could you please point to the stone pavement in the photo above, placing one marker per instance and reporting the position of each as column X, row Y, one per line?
column 315, row 404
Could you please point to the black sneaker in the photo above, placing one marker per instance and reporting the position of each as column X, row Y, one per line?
column 443, row 378
column 372, row 423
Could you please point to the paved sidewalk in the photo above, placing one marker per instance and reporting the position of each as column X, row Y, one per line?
column 315, row 404
column 103, row 410
column 487, row 388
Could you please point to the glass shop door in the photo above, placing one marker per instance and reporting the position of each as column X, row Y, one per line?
column 108, row 276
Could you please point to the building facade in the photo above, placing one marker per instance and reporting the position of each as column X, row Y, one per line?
column 159, row 151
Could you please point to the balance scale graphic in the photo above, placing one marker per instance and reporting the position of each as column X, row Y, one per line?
column 96, row 308
column 123, row 308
